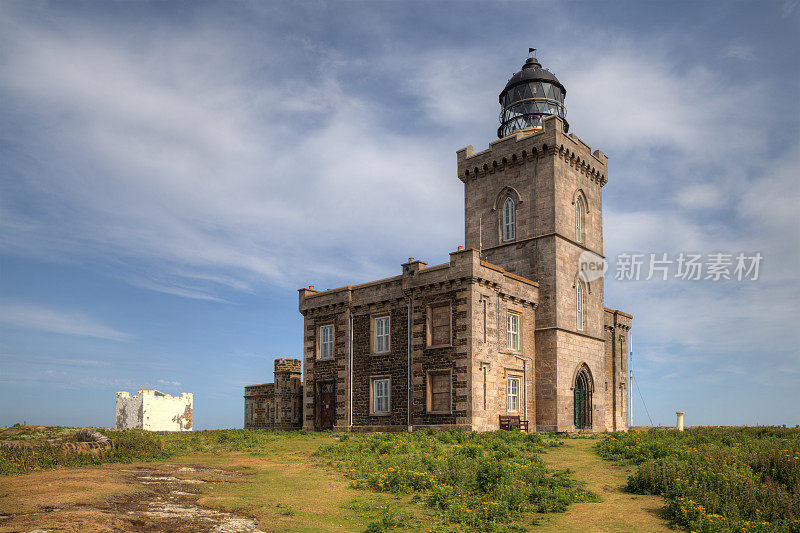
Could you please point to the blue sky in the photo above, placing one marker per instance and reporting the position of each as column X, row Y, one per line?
column 171, row 173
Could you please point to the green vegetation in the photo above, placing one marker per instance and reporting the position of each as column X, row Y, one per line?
column 481, row 480
column 130, row 446
column 17, row 433
column 716, row 479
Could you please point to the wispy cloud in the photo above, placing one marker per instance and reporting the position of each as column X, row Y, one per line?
column 168, row 383
column 739, row 51
column 58, row 321
column 51, row 361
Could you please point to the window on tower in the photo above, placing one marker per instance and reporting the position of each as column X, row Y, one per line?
column 579, row 305
column 579, row 220
column 509, row 220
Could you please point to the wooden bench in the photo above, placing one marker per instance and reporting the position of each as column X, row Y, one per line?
column 509, row 422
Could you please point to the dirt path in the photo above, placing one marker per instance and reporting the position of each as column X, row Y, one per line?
column 619, row 510
column 163, row 499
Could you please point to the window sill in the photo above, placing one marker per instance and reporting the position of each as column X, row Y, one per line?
column 433, row 346
column 326, row 358
column 387, row 352
column 438, row 412
column 381, row 414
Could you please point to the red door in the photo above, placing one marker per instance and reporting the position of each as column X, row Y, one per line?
column 325, row 405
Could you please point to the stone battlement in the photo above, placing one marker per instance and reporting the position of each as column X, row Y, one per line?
column 524, row 147
column 288, row 365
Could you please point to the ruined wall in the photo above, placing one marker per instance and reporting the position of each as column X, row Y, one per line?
column 152, row 410
column 129, row 410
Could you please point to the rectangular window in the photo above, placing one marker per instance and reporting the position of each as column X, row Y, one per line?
column 439, row 386
column 513, row 395
column 381, row 329
column 380, row 396
column 439, row 325
column 326, row 342
column 513, row 331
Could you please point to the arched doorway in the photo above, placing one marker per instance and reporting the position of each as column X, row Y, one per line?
column 583, row 399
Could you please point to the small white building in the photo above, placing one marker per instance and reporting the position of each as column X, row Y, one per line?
column 152, row 410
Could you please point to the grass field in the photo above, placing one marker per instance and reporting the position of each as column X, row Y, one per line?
column 736, row 479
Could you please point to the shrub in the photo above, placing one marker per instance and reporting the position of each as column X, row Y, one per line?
column 481, row 480
column 716, row 479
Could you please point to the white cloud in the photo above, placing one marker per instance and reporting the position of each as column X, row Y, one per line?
column 58, row 321
column 699, row 196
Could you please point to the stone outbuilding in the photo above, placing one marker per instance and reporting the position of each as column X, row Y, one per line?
column 279, row 404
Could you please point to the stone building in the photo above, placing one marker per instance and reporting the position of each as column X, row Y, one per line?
column 152, row 410
column 514, row 324
column 278, row 404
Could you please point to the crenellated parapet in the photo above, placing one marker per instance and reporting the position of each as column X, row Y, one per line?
column 615, row 319
column 287, row 365
column 526, row 147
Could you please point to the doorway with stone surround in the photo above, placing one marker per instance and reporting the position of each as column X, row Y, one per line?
column 326, row 405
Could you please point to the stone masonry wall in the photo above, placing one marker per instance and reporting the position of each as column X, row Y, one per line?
column 454, row 284
column 258, row 402
column 617, row 325
column 547, row 172
column 494, row 363
column 368, row 365
column 288, row 398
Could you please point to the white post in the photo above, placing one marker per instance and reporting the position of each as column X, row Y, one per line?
column 679, row 425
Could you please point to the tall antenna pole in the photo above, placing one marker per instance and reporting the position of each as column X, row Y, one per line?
column 630, row 382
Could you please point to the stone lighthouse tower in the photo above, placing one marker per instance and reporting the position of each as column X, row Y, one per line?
column 533, row 205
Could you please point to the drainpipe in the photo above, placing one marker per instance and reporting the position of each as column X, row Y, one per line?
column 408, row 399
column 350, row 366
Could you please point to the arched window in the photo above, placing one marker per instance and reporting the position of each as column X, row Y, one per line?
column 579, row 220
column 579, row 305
column 509, row 220
column 582, row 398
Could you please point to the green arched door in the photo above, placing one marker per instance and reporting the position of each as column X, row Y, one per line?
column 583, row 400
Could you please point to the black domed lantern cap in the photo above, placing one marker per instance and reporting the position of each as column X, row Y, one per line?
column 530, row 95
